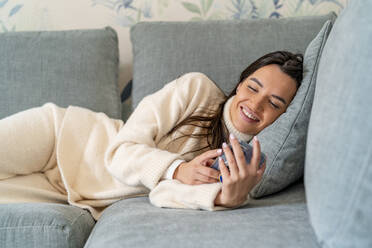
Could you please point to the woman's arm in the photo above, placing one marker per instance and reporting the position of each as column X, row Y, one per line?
column 133, row 158
column 233, row 192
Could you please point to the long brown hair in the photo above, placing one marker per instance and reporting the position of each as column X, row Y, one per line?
column 211, row 121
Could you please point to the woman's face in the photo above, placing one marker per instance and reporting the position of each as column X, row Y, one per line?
column 261, row 98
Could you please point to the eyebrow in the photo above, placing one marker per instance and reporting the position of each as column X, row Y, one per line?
column 260, row 84
column 257, row 82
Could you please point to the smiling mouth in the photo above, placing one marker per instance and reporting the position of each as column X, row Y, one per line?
column 249, row 116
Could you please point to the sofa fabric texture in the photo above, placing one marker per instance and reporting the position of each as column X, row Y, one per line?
column 338, row 171
column 44, row 225
column 279, row 220
column 221, row 50
column 73, row 67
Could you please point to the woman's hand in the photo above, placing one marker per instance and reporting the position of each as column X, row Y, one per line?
column 197, row 171
column 240, row 180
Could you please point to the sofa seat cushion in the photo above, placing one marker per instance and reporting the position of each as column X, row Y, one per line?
column 43, row 225
column 279, row 220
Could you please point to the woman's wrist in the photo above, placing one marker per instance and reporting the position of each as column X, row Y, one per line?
column 176, row 172
column 217, row 201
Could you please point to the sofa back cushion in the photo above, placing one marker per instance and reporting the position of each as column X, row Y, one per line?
column 338, row 170
column 221, row 50
column 163, row 51
column 73, row 67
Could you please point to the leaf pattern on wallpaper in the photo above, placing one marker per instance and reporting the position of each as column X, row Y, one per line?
column 7, row 11
column 15, row 9
column 127, row 12
column 2, row 3
column 267, row 9
column 315, row 2
column 311, row 7
column 240, row 9
column 202, row 10
column 251, row 9
column 162, row 5
column 278, row 5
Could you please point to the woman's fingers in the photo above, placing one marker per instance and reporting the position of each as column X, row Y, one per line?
column 223, row 169
column 197, row 182
column 204, row 157
column 238, row 153
column 230, row 160
column 209, row 162
column 261, row 171
column 208, row 179
column 256, row 157
column 208, row 172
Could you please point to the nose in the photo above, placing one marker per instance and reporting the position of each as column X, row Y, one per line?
column 257, row 103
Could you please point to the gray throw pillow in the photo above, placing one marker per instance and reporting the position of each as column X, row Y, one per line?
column 221, row 50
column 284, row 141
column 73, row 67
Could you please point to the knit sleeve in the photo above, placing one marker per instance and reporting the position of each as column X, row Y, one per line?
column 174, row 194
column 133, row 157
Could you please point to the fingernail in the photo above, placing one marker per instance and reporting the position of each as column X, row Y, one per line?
column 224, row 144
column 232, row 136
column 219, row 151
column 255, row 138
column 221, row 179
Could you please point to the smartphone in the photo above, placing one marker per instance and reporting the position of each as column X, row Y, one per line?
column 248, row 152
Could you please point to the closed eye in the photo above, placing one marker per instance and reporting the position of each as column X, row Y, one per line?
column 253, row 89
column 274, row 105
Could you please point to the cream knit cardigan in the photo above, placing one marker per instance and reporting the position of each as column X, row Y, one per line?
column 102, row 160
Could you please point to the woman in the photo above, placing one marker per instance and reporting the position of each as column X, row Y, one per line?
column 83, row 158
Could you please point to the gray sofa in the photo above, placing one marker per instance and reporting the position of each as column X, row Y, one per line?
column 327, row 207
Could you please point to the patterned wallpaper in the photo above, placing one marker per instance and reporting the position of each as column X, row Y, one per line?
column 19, row 15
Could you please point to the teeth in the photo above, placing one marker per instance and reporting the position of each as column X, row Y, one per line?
column 249, row 115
